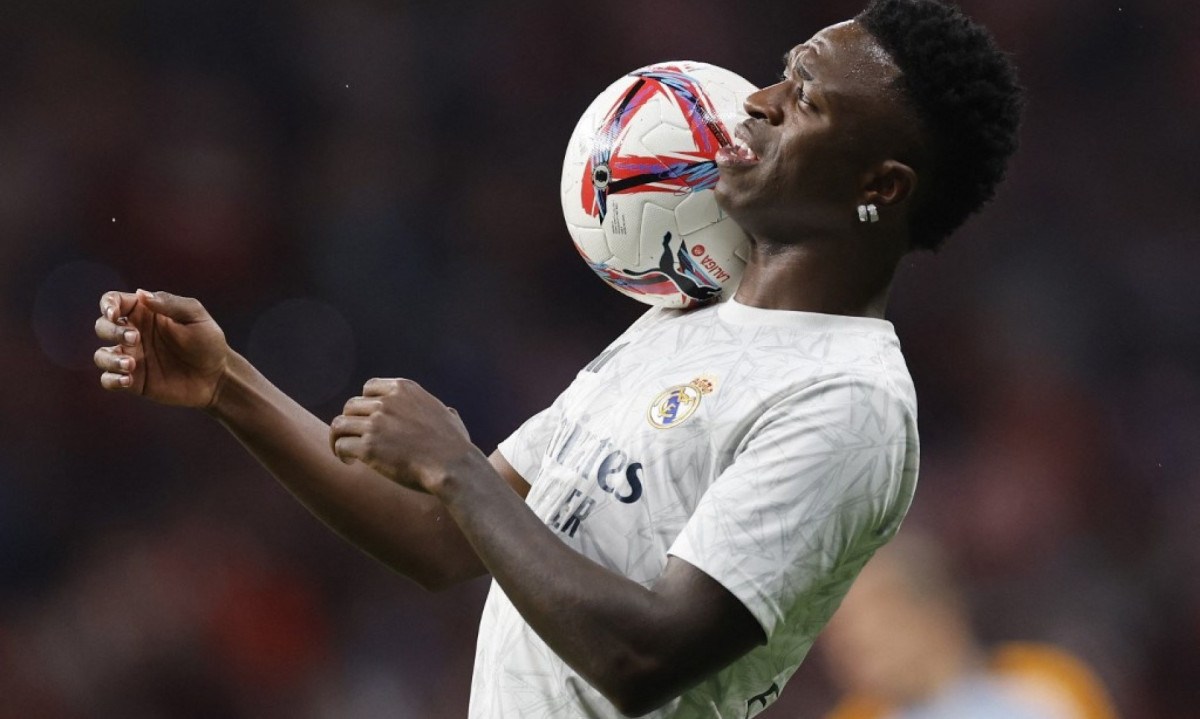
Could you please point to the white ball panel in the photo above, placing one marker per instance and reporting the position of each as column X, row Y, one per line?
column 592, row 244
column 696, row 211
column 656, row 222
column 715, row 239
column 622, row 227
column 662, row 138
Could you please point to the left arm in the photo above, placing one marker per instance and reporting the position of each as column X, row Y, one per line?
column 639, row 647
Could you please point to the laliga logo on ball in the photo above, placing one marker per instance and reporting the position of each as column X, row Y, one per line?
column 637, row 184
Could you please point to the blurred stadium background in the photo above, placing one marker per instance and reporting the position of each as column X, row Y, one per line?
column 362, row 188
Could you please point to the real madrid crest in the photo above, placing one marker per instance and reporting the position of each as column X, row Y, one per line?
column 676, row 404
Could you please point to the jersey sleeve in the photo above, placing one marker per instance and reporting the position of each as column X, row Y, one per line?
column 819, row 481
column 525, row 448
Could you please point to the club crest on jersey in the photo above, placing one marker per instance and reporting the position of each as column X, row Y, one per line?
column 673, row 407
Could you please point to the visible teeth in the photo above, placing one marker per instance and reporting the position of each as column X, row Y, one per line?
column 737, row 153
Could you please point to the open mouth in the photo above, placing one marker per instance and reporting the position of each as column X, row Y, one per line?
column 738, row 154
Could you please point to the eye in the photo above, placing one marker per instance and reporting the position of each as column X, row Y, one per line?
column 802, row 97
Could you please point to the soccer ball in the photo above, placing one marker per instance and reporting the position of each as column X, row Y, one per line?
column 637, row 184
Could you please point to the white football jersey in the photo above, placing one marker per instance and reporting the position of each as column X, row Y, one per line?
column 773, row 450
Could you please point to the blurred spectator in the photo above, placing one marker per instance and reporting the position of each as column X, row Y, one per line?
column 902, row 647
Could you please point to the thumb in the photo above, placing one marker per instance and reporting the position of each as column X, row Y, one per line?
column 180, row 309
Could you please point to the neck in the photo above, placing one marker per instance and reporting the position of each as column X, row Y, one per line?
column 835, row 276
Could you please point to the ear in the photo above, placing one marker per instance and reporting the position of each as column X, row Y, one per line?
column 888, row 183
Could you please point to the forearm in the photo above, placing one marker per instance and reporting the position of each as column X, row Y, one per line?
column 617, row 634
column 404, row 529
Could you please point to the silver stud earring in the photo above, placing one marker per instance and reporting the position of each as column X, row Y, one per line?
column 868, row 213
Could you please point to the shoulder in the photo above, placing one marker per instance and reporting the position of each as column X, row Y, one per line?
column 845, row 397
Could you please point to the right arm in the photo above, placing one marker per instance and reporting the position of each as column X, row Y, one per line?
column 169, row 349
column 410, row 532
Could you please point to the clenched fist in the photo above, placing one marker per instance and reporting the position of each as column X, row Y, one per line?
column 401, row 431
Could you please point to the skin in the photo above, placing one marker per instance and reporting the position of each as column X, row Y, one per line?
column 827, row 145
column 397, row 474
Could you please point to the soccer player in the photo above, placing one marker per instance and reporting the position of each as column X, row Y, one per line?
column 669, row 536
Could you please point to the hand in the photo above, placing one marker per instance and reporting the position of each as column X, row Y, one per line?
column 401, row 431
column 167, row 349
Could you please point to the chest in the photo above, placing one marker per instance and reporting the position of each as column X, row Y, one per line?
column 643, row 431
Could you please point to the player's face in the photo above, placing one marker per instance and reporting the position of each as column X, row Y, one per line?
column 811, row 136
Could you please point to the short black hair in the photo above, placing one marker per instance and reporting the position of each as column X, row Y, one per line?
column 965, row 92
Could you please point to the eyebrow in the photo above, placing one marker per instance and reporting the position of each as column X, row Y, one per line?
column 791, row 61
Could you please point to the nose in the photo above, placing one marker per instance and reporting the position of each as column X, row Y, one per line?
column 765, row 104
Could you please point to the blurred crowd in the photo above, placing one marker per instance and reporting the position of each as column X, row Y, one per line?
column 365, row 188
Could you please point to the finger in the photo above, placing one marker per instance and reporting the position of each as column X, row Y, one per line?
column 114, row 304
column 180, row 309
column 348, row 449
column 362, row 406
column 110, row 359
column 115, row 381
column 343, row 426
column 110, row 331
column 379, row 387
